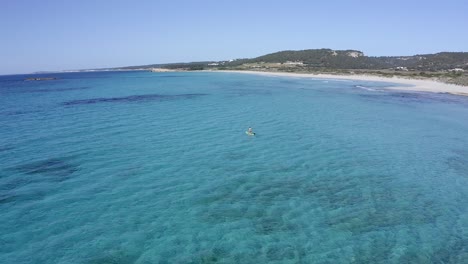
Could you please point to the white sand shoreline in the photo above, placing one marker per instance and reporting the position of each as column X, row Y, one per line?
column 406, row 84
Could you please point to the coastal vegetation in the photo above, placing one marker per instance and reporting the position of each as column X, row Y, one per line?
column 449, row 67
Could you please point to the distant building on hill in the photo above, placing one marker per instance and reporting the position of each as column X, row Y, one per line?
column 294, row 63
column 401, row 69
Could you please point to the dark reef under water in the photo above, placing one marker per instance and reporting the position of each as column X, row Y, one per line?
column 49, row 170
column 134, row 98
column 59, row 167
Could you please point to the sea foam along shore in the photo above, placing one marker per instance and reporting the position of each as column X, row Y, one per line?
column 406, row 84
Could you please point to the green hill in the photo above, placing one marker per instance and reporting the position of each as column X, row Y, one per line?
column 354, row 59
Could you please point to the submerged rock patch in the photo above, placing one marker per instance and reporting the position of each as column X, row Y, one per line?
column 414, row 97
column 59, row 167
column 133, row 99
column 5, row 148
column 459, row 162
column 6, row 198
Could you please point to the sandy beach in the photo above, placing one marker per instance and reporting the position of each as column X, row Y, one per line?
column 406, row 84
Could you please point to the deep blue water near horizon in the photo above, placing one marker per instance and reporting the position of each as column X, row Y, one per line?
column 139, row 167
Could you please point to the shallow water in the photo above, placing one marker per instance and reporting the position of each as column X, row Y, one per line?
column 136, row 167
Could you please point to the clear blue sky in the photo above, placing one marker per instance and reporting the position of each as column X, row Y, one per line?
column 65, row 34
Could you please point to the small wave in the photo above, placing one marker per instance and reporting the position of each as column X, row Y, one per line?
column 367, row 88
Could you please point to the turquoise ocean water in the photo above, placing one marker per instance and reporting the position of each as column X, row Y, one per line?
column 139, row 167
